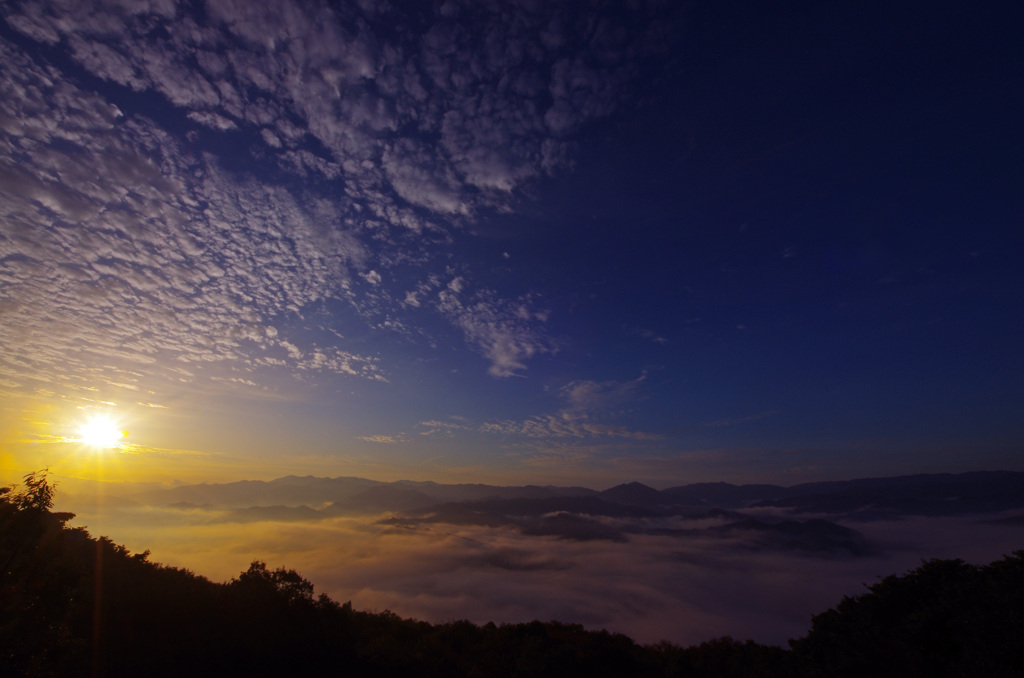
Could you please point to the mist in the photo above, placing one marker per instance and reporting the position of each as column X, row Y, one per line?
column 652, row 587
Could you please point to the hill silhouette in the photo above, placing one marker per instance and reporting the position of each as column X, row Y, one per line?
column 866, row 498
column 74, row 605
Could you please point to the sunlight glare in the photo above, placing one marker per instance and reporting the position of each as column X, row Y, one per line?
column 101, row 432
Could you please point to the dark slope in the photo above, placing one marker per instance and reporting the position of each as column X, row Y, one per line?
column 946, row 618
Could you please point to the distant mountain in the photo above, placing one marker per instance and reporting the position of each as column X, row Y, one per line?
column 864, row 498
column 812, row 535
column 619, row 513
column 726, row 495
column 97, row 502
column 255, row 514
column 380, row 499
column 638, row 494
column 477, row 492
column 590, row 518
column 526, row 507
column 287, row 491
column 344, row 492
column 574, row 526
column 924, row 494
column 933, row 495
column 576, row 518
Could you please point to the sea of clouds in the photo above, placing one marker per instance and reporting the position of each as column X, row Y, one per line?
column 650, row 587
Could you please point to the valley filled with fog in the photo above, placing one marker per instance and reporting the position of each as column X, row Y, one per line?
column 685, row 564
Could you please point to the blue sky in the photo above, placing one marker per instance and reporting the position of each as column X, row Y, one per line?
column 531, row 242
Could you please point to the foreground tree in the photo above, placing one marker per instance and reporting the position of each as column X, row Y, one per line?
column 946, row 618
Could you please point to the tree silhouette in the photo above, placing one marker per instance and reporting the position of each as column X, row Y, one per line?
column 37, row 495
column 285, row 585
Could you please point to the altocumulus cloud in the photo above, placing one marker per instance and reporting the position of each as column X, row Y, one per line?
column 119, row 244
column 379, row 133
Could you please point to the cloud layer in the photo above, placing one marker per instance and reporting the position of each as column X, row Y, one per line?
column 650, row 587
column 125, row 257
column 272, row 159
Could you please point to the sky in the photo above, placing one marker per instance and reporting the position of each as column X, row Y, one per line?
column 511, row 242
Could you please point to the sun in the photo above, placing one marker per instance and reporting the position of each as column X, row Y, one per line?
column 101, row 432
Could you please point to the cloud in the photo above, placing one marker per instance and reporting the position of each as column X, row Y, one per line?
column 519, row 81
column 382, row 439
column 128, row 257
column 435, row 427
column 507, row 333
column 585, row 395
column 219, row 122
column 564, row 424
column 122, row 213
column 651, row 587
column 588, row 405
column 414, row 172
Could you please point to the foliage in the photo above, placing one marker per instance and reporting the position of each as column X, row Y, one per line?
column 74, row 605
column 946, row 618
column 37, row 495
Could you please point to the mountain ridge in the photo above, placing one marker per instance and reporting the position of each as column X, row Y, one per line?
column 981, row 491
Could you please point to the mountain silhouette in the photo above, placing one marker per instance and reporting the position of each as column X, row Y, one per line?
column 380, row 499
column 638, row 494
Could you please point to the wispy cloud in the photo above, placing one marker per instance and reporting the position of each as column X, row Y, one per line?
column 649, row 335
column 383, row 439
column 564, row 425
column 590, row 396
column 589, row 408
column 435, row 427
column 507, row 333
